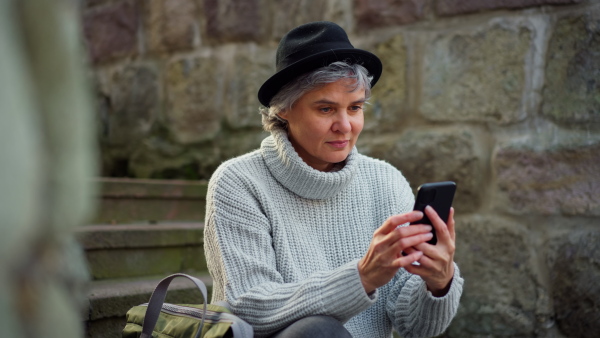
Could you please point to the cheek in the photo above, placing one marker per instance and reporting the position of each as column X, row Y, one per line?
column 358, row 125
column 318, row 128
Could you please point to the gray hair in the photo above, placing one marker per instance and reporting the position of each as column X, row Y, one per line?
column 293, row 91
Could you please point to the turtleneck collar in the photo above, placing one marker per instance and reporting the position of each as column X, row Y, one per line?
column 292, row 172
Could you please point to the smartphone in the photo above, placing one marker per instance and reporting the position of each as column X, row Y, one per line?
column 439, row 196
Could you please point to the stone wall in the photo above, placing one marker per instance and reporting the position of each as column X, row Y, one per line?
column 502, row 97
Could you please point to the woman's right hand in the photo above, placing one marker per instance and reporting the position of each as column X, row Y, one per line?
column 384, row 256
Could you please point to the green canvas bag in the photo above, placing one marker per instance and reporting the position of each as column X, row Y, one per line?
column 163, row 320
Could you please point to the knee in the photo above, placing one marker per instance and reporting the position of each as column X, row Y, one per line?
column 322, row 322
column 315, row 327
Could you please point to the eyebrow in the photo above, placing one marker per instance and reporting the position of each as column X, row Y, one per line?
column 325, row 101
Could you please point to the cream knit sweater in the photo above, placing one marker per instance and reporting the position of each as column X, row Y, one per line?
column 283, row 240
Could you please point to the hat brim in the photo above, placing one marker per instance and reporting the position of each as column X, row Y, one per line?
column 272, row 86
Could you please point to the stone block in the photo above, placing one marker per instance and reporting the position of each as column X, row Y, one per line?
column 477, row 76
column 106, row 327
column 107, row 236
column 251, row 67
column 159, row 189
column 500, row 296
column 574, row 265
column 126, row 251
column 388, row 107
column 160, row 157
column 288, row 14
column 111, row 31
column 92, row 3
column 194, row 98
column 126, row 263
column 130, row 102
column 572, row 87
column 436, row 155
column 454, row 7
column 243, row 142
column 231, row 20
column 195, row 163
column 560, row 180
column 133, row 210
column 171, row 25
column 381, row 13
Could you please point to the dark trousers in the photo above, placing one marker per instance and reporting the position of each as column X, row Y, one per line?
column 314, row 327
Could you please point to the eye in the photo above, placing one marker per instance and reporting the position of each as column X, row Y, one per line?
column 325, row 109
column 355, row 108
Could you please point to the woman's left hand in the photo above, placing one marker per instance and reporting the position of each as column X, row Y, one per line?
column 437, row 263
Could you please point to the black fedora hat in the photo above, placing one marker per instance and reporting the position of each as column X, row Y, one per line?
column 311, row 46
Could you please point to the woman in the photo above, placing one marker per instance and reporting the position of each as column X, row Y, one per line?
column 304, row 236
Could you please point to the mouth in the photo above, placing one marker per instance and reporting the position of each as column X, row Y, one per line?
column 338, row 144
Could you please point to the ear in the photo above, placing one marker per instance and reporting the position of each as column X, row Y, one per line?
column 283, row 115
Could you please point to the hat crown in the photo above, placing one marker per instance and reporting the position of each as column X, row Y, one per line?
column 309, row 39
column 309, row 47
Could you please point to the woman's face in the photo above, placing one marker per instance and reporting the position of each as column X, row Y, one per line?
column 324, row 124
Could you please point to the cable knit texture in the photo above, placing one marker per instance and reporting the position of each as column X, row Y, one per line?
column 283, row 241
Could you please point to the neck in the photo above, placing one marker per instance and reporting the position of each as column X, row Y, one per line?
column 296, row 175
column 308, row 159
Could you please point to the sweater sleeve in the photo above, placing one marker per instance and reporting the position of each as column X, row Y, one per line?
column 415, row 312
column 242, row 261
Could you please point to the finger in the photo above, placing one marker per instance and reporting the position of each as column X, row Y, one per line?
column 408, row 251
column 400, row 233
column 426, row 266
column 441, row 229
column 427, row 263
column 394, row 221
column 416, row 270
column 407, row 242
column 451, row 224
column 421, row 269
column 412, row 230
column 404, row 261
column 431, row 251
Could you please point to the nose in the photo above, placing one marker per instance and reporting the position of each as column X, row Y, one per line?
column 342, row 123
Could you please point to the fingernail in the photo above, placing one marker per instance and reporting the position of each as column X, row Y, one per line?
column 428, row 207
column 429, row 235
column 419, row 214
column 429, row 227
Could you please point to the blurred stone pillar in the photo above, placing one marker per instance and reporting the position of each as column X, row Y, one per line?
column 47, row 159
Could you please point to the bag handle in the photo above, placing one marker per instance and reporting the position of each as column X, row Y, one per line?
column 158, row 298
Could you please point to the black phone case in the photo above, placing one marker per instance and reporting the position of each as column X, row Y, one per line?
column 439, row 196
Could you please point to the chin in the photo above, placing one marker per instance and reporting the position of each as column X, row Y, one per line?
column 338, row 158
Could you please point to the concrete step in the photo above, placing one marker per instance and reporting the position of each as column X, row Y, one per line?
column 147, row 229
column 111, row 299
column 136, row 250
column 124, row 200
